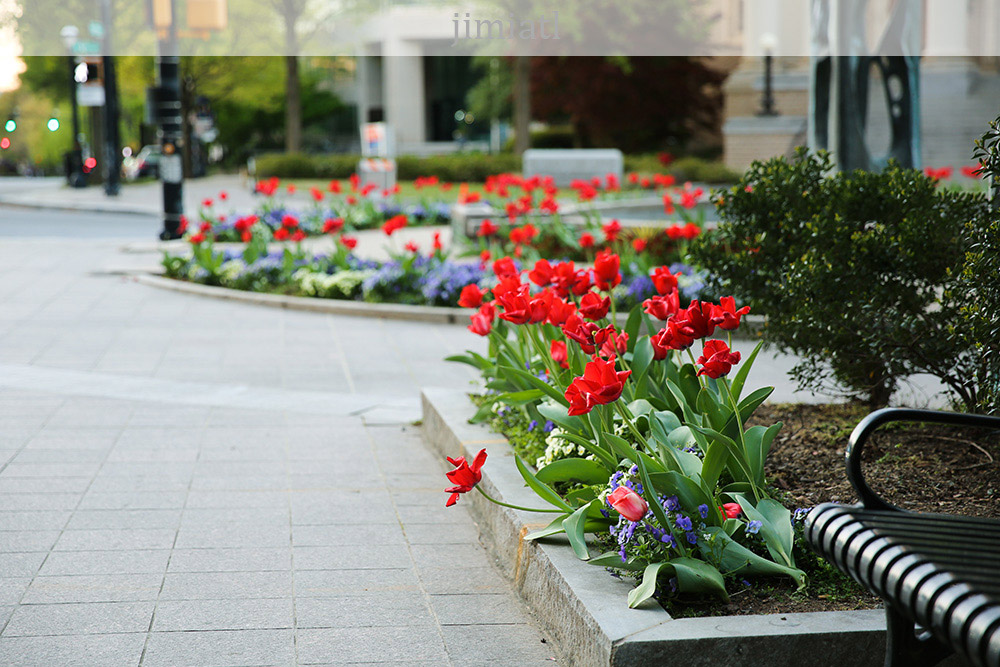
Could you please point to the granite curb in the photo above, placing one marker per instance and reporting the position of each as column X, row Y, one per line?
column 391, row 311
column 751, row 328
column 584, row 609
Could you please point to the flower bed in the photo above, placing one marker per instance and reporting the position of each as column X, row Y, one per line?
column 650, row 448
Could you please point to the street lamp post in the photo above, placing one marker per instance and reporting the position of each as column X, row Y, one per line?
column 768, row 43
column 168, row 113
column 74, row 161
column 112, row 154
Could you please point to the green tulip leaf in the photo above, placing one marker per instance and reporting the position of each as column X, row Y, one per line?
column 736, row 559
column 647, row 587
column 575, row 525
column 573, row 470
column 557, row 413
column 741, row 375
column 543, row 490
column 776, row 527
column 613, row 559
column 553, row 528
column 540, row 384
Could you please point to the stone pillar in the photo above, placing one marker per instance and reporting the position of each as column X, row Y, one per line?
column 362, row 81
column 403, row 92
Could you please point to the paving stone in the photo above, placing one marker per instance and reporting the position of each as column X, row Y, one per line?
column 370, row 534
column 233, row 537
column 371, row 609
column 257, row 614
column 336, row 583
column 50, row 470
column 255, row 483
column 134, row 500
column 111, row 539
column 80, row 619
column 93, row 588
column 355, row 557
column 231, row 560
column 385, row 644
column 78, row 485
column 110, row 650
column 230, row 648
column 106, row 562
column 497, row 609
column 236, row 499
column 226, row 585
column 248, row 516
column 33, row 520
column 27, row 540
column 39, row 501
column 438, row 534
column 12, row 588
column 124, row 519
column 462, row 580
column 21, row 564
column 439, row 555
column 513, row 644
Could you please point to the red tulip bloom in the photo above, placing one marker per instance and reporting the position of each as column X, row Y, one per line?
column 639, row 245
column 581, row 282
column 664, row 281
column 316, row 193
column 411, row 246
column 464, row 476
column 606, row 270
column 195, row 239
column 972, row 172
column 471, row 296
column 334, row 187
column 690, row 231
column 207, row 203
column 726, row 316
column 559, row 353
column 611, row 343
column 717, row 359
column 205, row 227
column 332, row 225
column 542, row 274
column 349, row 242
column 662, row 307
column 628, row 503
column 281, row 234
column 487, row 228
column 394, row 224
column 291, row 188
column 671, row 337
column 611, row 231
column 660, row 350
column 586, row 240
column 668, row 207
column 560, row 311
column 289, row 222
column 730, row 510
column 600, row 384
column 351, row 200
column 298, row 236
column 505, row 268
column 594, row 307
column 581, row 332
column 696, row 319
column 675, row 232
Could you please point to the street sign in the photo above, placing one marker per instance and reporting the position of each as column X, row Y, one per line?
column 86, row 48
column 90, row 96
column 96, row 29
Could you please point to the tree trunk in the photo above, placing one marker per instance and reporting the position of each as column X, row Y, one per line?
column 522, row 104
column 293, row 106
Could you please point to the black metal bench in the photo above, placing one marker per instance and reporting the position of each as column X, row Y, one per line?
column 938, row 574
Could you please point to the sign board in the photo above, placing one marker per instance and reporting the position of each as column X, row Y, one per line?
column 90, row 96
column 96, row 29
column 171, row 168
column 376, row 140
column 86, row 47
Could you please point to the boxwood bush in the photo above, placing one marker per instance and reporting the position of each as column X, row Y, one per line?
column 853, row 270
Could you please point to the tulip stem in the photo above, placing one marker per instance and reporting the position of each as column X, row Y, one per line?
column 739, row 429
column 515, row 507
column 628, row 420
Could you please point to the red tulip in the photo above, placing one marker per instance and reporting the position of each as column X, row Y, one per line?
column 559, row 353
column 586, row 240
column 560, row 311
column 581, row 332
column 464, row 476
column 664, row 281
column 332, row 225
column 600, row 384
column 349, row 242
column 717, row 359
column 542, row 274
column 594, row 307
column 628, row 503
column 505, row 268
column 289, row 221
column 671, row 337
column 606, row 270
column 662, row 307
column 412, row 247
column 195, row 239
column 281, row 234
column 223, row 195
column 471, row 296
column 298, row 236
column 726, row 316
column 611, row 231
column 639, row 244
column 731, row 510
column 696, row 319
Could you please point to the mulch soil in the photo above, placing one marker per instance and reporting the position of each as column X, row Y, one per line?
column 920, row 467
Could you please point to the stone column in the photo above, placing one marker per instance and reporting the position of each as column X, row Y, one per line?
column 403, row 91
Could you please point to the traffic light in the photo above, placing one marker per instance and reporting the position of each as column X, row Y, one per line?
column 53, row 124
column 5, row 143
column 11, row 124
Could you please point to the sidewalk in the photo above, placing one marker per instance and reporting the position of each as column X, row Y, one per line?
column 140, row 199
column 192, row 482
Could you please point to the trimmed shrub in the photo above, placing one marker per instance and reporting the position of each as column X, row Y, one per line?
column 850, row 269
column 454, row 167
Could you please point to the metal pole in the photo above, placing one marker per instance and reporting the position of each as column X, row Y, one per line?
column 767, row 99
column 168, row 108
column 75, row 176
column 112, row 139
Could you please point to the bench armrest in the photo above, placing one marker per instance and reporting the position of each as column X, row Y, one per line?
column 869, row 424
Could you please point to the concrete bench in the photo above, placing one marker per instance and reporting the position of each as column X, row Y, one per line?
column 566, row 165
column 938, row 575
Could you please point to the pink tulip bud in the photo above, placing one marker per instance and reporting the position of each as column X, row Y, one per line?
column 628, row 503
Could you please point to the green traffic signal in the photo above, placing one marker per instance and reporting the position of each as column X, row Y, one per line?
column 53, row 124
column 11, row 125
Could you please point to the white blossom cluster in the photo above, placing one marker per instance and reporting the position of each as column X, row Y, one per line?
column 558, row 448
column 343, row 284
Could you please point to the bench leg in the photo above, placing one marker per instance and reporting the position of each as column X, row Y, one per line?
column 904, row 648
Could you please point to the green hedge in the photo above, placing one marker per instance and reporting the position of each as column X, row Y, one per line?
column 471, row 167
